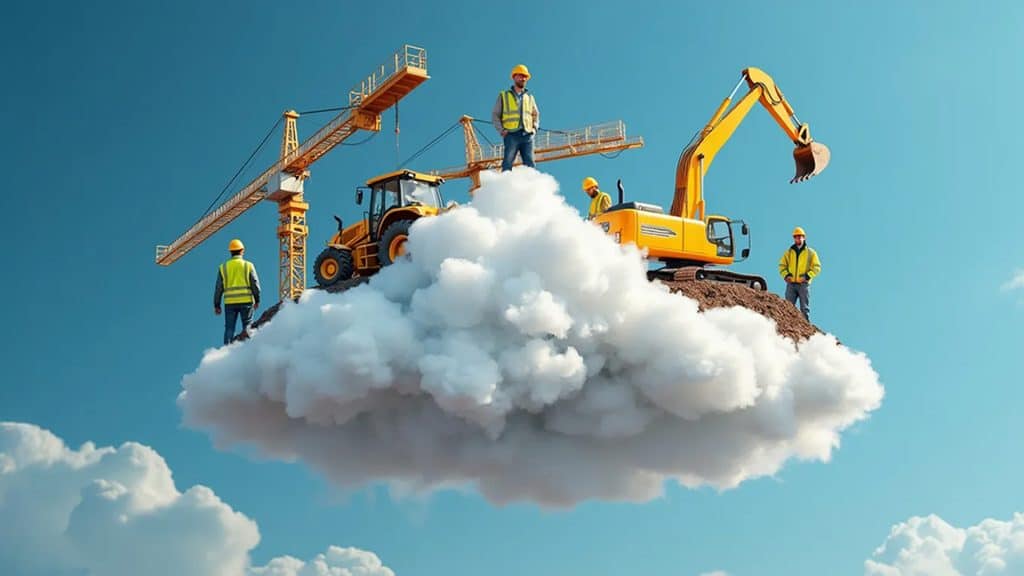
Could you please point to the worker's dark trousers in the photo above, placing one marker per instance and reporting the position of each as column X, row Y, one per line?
column 801, row 291
column 231, row 313
column 521, row 142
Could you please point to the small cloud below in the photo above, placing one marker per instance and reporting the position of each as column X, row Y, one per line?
column 1015, row 283
column 930, row 545
column 109, row 511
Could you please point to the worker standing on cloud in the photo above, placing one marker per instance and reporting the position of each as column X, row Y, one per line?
column 798, row 267
column 238, row 283
column 516, row 118
column 599, row 201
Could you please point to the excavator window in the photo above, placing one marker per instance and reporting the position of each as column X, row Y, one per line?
column 720, row 234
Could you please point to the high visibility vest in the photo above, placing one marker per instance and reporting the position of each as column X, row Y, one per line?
column 599, row 203
column 235, row 275
column 512, row 118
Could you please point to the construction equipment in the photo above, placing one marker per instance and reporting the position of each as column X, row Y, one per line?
column 283, row 181
column 397, row 200
column 688, row 242
column 606, row 138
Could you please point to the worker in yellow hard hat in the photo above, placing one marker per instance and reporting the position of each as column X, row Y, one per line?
column 516, row 117
column 798, row 267
column 239, row 285
column 599, row 201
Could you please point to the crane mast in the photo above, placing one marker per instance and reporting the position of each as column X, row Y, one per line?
column 282, row 182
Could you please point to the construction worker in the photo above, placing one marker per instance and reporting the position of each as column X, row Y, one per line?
column 798, row 267
column 599, row 201
column 238, row 283
column 516, row 118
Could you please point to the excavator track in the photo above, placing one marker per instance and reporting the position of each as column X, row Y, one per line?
column 698, row 273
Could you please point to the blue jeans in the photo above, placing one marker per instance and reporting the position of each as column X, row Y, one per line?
column 521, row 142
column 231, row 313
column 802, row 293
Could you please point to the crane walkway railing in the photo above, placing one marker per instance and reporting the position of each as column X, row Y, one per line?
column 333, row 133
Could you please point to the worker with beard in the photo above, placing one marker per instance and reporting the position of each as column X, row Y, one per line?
column 515, row 116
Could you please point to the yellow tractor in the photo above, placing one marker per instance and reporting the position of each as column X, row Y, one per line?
column 687, row 241
column 397, row 199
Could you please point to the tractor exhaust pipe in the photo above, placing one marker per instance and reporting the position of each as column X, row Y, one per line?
column 811, row 159
column 618, row 184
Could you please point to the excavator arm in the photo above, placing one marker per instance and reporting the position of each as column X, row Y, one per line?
column 811, row 157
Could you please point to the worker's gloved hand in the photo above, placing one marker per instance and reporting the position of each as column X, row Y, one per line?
column 789, row 278
column 806, row 278
column 216, row 311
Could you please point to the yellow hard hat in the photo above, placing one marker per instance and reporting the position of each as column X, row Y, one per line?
column 588, row 183
column 798, row 231
column 521, row 69
column 235, row 244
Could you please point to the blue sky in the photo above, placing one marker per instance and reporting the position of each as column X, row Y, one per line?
column 124, row 121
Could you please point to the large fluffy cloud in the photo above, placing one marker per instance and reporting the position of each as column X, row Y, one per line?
column 928, row 546
column 116, row 512
column 522, row 351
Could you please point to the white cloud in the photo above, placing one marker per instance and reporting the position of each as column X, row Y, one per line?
column 524, row 352
column 335, row 562
column 928, row 546
column 1015, row 283
column 715, row 573
column 116, row 512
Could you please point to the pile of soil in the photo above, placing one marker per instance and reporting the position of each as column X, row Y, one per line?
column 789, row 322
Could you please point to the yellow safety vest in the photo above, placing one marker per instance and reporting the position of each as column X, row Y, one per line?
column 510, row 113
column 235, row 275
column 599, row 203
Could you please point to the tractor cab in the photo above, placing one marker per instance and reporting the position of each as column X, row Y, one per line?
column 397, row 199
column 397, row 190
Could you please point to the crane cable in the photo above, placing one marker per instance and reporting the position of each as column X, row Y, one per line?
column 264, row 142
column 241, row 168
column 429, row 145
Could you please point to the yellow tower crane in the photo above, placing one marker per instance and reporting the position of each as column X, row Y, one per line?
column 283, row 181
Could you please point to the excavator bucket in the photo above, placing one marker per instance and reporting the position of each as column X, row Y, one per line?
column 811, row 160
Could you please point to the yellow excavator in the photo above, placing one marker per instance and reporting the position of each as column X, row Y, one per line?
column 397, row 199
column 688, row 242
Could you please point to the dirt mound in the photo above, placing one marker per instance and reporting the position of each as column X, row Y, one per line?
column 789, row 322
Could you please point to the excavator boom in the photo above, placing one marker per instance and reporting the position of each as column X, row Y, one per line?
column 811, row 157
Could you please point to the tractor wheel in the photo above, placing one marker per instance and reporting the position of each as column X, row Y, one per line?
column 332, row 266
column 393, row 241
